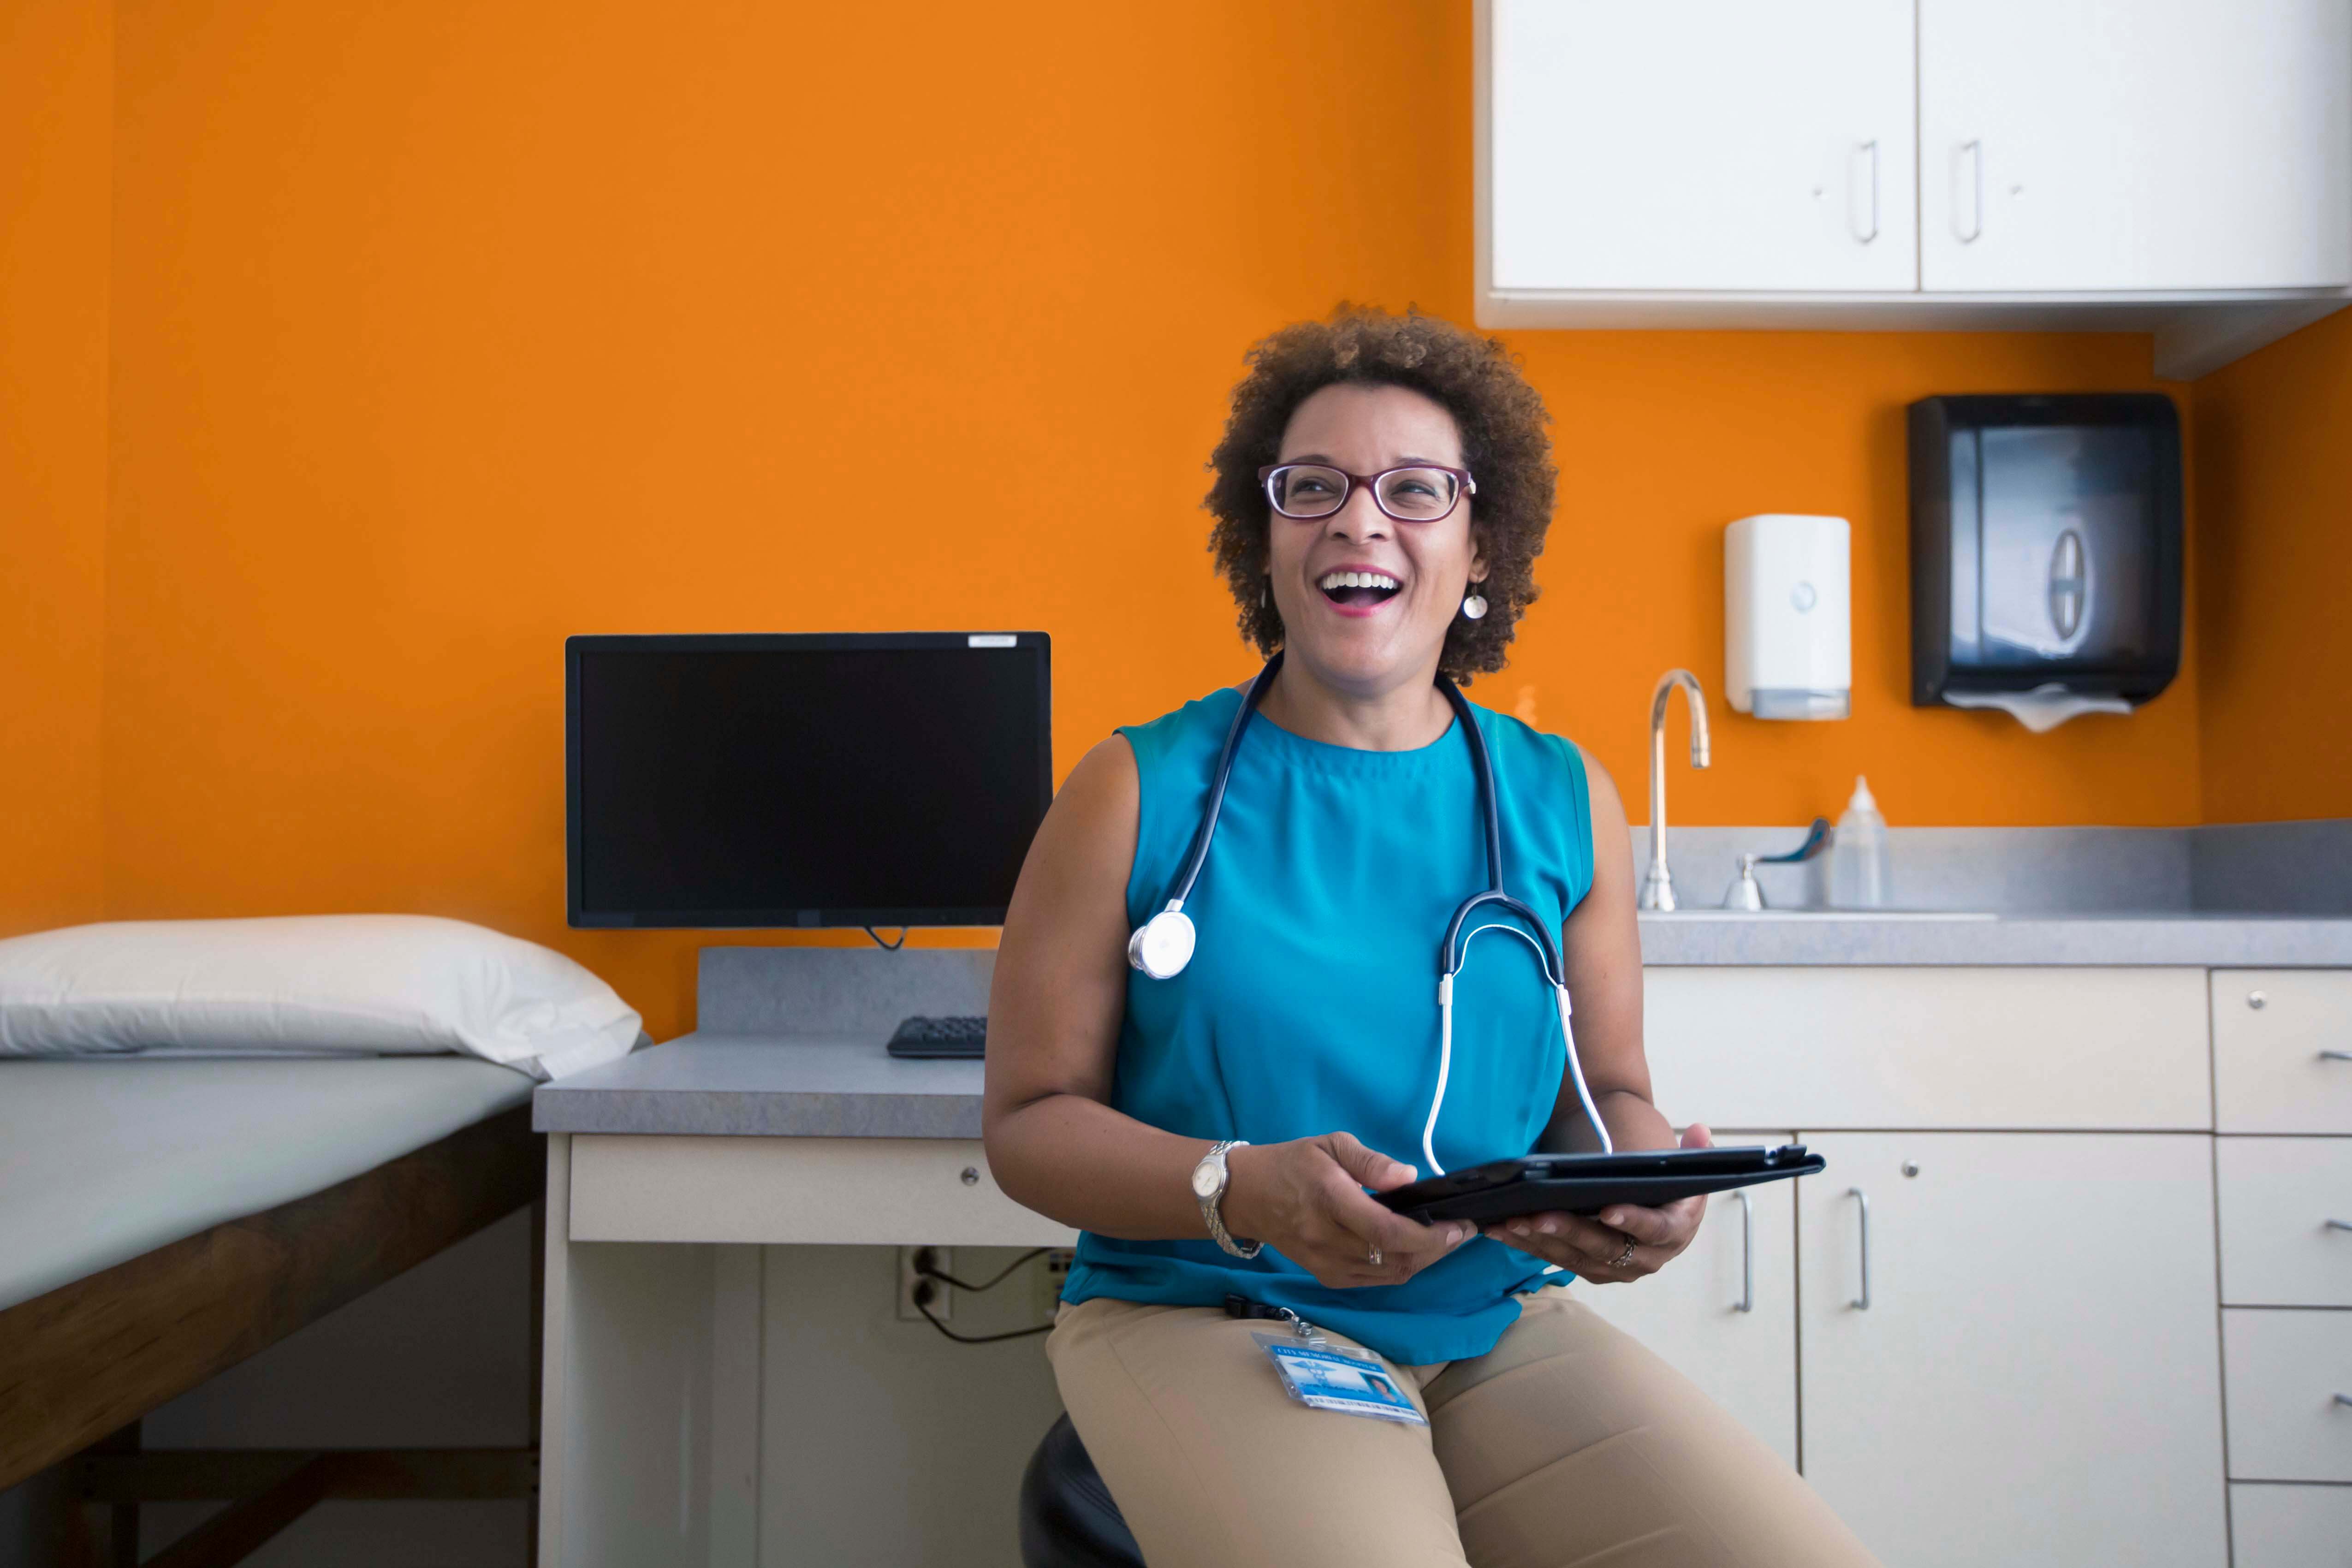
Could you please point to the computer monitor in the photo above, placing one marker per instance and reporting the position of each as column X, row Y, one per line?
column 833, row 779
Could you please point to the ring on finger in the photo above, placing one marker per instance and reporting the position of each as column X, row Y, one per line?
column 1373, row 1256
column 1626, row 1257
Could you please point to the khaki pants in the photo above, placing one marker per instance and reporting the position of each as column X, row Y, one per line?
column 1567, row 1443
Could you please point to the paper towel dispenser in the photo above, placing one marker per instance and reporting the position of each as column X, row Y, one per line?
column 2045, row 550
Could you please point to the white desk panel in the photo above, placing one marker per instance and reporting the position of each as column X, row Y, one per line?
column 906, row 1192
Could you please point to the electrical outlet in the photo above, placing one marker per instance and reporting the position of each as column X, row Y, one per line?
column 941, row 1300
column 1050, row 1272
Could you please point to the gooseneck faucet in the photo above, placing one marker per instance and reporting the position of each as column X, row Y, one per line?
column 1658, row 887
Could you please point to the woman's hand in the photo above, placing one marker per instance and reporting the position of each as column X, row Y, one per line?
column 1305, row 1199
column 1590, row 1247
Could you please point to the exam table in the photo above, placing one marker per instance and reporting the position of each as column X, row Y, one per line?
column 163, row 1220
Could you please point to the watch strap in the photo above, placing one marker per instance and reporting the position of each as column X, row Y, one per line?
column 1211, row 1205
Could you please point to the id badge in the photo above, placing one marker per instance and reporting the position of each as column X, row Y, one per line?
column 1325, row 1379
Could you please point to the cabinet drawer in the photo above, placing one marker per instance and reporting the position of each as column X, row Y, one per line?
column 2277, row 1195
column 2283, row 1370
column 1989, row 1050
column 906, row 1192
column 2289, row 1527
column 2268, row 1072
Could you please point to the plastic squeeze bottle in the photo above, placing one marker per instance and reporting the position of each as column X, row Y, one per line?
column 1858, row 853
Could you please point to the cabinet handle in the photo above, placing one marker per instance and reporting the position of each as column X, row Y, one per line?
column 1746, row 1302
column 2335, row 1056
column 1862, row 1303
column 2344, row 1399
column 1862, row 236
column 2336, row 1224
column 1973, row 152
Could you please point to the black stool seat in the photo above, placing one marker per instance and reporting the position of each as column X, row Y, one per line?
column 1067, row 1520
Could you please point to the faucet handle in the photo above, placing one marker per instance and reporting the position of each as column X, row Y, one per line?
column 1746, row 893
column 1743, row 894
column 1817, row 839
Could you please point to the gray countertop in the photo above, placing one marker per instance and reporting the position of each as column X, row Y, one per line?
column 2139, row 941
column 795, row 1047
column 774, row 1085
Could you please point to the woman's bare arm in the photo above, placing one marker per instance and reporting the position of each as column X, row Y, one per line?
column 1054, row 1142
column 1602, row 955
column 1602, row 952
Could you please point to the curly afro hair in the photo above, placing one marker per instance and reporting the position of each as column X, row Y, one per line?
column 1503, row 446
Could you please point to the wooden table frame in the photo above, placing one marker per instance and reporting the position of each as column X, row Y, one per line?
column 81, row 1364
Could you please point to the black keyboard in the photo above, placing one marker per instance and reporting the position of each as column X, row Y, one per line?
column 952, row 1037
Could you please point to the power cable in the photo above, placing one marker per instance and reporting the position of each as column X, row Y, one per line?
column 923, row 1305
column 928, row 1272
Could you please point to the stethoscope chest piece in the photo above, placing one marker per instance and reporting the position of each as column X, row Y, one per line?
column 1162, row 945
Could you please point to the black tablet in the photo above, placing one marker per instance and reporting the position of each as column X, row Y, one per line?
column 1587, row 1183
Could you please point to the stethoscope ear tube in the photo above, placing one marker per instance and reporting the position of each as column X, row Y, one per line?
column 1162, row 945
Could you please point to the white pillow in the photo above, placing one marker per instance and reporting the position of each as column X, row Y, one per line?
column 307, row 986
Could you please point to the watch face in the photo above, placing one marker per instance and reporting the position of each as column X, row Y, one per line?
column 1206, row 1179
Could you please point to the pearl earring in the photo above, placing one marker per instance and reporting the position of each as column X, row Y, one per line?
column 1475, row 604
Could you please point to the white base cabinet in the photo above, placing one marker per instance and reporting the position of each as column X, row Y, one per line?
column 2283, row 1102
column 2024, row 1369
column 2066, row 1265
column 1724, row 1315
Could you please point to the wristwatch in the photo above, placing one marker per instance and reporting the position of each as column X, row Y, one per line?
column 1209, row 1180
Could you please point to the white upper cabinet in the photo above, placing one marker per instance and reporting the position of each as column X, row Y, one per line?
column 2166, row 145
column 2179, row 167
column 1713, row 144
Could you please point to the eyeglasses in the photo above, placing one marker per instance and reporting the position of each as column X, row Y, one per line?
column 1422, row 493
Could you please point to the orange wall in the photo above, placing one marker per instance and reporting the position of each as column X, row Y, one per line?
column 2275, row 566
column 443, row 330
column 56, row 81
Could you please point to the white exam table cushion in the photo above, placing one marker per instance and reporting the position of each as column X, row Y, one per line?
column 307, row 986
column 102, row 1161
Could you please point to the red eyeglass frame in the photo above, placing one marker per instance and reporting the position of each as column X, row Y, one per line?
column 1466, row 486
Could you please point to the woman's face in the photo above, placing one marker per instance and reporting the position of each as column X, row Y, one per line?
column 1370, row 640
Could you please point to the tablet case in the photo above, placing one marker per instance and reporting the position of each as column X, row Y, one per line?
column 1586, row 1184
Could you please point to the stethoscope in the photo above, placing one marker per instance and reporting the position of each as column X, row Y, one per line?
column 1164, row 944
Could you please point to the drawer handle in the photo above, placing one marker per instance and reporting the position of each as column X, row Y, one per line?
column 1862, row 1303
column 2339, row 1224
column 1746, row 1302
column 1869, row 148
column 1974, row 152
column 2335, row 1056
column 2344, row 1399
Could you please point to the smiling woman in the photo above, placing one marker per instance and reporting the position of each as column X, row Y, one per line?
column 1211, row 1109
column 1495, row 422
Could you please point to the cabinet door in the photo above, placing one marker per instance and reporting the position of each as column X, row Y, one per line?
column 2036, row 1378
column 1716, row 144
column 2135, row 144
column 1690, row 1312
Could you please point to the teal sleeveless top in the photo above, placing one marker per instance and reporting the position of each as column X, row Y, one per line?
column 1310, row 1004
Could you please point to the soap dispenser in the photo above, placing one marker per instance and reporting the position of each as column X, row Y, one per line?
column 1787, row 639
column 1858, row 853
